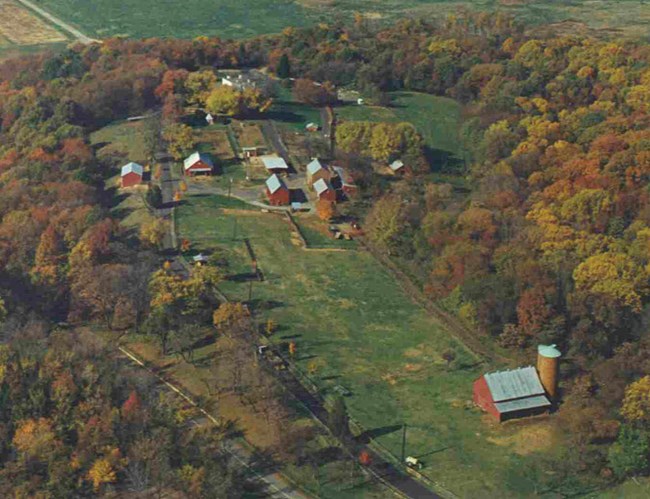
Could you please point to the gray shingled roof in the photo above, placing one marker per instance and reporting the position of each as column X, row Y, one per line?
column 274, row 183
column 518, row 383
column 523, row 403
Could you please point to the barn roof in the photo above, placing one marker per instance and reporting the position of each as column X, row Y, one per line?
column 320, row 186
column 274, row 183
column 343, row 175
column 523, row 403
column 396, row 165
column 514, row 384
column 194, row 158
column 274, row 163
column 314, row 166
column 132, row 168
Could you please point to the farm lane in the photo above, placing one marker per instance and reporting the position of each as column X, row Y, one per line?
column 380, row 467
column 168, row 187
column 58, row 22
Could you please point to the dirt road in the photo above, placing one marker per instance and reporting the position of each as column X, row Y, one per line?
column 58, row 22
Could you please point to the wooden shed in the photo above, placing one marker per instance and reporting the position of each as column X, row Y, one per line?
column 131, row 174
column 277, row 192
column 511, row 394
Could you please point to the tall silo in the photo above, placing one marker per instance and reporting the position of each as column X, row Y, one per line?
column 548, row 360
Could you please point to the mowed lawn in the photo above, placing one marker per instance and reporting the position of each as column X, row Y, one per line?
column 354, row 327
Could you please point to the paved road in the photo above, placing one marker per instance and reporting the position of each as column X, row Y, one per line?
column 58, row 22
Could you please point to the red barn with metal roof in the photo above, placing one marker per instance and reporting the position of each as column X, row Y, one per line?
column 511, row 394
column 277, row 192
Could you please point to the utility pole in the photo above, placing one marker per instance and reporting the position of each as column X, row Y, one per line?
column 403, row 443
column 229, row 187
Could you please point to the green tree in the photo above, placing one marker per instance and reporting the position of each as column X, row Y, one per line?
column 284, row 67
column 180, row 140
column 629, row 454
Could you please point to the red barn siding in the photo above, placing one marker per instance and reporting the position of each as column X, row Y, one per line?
column 199, row 165
column 483, row 398
column 328, row 195
column 131, row 179
column 281, row 197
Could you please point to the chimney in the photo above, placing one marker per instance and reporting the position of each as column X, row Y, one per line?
column 548, row 359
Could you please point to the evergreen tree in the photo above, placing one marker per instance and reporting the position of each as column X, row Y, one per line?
column 284, row 67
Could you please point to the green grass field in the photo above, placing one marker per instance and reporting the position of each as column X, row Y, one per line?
column 436, row 118
column 192, row 18
column 355, row 327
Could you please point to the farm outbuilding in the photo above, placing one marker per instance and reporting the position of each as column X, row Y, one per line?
column 275, row 164
column 397, row 166
column 324, row 190
column 131, row 174
column 277, row 192
column 253, row 152
column 342, row 180
column 511, row 394
column 198, row 164
column 317, row 171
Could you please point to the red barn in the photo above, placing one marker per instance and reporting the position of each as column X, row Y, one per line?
column 342, row 180
column 511, row 394
column 131, row 175
column 277, row 192
column 324, row 190
column 198, row 164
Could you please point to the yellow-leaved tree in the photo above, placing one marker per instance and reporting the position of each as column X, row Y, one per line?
column 636, row 404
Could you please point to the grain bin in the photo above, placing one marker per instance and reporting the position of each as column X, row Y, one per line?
column 548, row 359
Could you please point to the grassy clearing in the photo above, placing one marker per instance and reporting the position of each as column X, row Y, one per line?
column 123, row 142
column 125, row 139
column 355, row 327
column 436, row 118
column 292, row 114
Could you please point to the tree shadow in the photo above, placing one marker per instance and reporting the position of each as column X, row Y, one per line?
column 443, row 161
column 369, row 435
column 297, row 196
column 284, row 115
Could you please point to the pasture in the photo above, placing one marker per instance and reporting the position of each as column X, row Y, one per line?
column 355, row 327
column 227, row 19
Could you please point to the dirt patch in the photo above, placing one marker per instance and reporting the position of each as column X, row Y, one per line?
column 526, row 437
column 413, row 352
column 249, row 134
column 412, row 368
column 22, row 27
column 218, row 141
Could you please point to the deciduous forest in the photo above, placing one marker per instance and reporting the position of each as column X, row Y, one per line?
column 544, row 239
